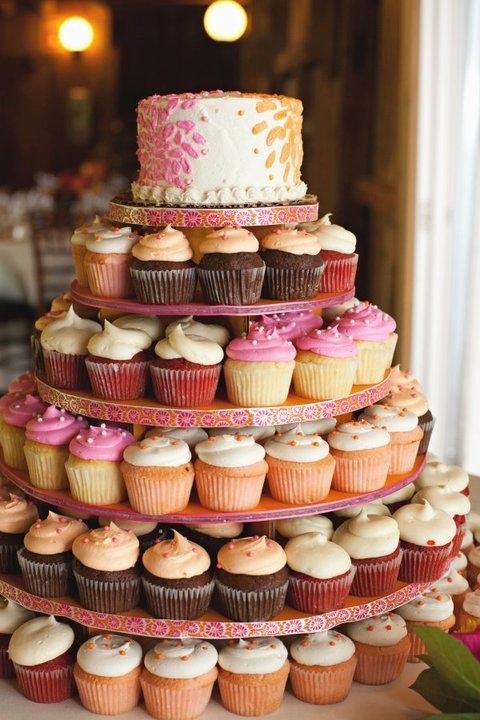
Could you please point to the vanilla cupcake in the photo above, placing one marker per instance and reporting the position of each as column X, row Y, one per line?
column 191, row 435
column 107, row 262
column 15, row 417
column 79, row 247
column 455, row 585
column 414, row 399
column 382, row 646
column 405, row 434
column 12, row 615
column 16, row 515
column 472, row 568
column 456, row 504
column 432, row 609
column 468, row 617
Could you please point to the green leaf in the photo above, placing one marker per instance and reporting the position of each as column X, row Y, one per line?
column 440, row 693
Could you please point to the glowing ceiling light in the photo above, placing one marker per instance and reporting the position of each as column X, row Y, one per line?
column 225, row 20
column 75, row 34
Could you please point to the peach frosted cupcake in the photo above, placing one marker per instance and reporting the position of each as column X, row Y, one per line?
column 107, row 262
column 300, row 467
column 433, row 609
column 178, row 678
column 382, row 647
column 252, row 675
column 16, row 515
column 405, row 434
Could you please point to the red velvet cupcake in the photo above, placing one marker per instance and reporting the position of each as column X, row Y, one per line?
column 337, row 250
column 12, row 615
column 454, row 503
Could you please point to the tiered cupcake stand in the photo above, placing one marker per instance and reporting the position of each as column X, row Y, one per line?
column 220, row 414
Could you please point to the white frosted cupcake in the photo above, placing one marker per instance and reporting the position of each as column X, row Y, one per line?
column 151, row 324
column 405, row 434
column 286, row 528
column 454, row 584
column 382, row 647
column 456, row 504
column 107, row 262
column 208, row 330
column 362, row 456
column 12, row 615
column 436, row 472
column 432, row 609
column 79, row 247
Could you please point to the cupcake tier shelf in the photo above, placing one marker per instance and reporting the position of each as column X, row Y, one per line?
column 212, row 625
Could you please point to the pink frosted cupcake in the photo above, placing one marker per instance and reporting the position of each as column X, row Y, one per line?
column 325, row 364
column 117, row 362
column 300, row 467
column 162, row 269
column 293, row 264
column 382, row 647
column 64, row 349
column 24, row 383
column 47, row 437
column 337, row 250
column 292, row 324
column 107, row 262
column 79, row 247
column 186, row 369
column 42, row 654
column 259, row 368
column 5, row 401
column 321, row 573
column 374, row 334
column 16, row 516
column 405, row 434
column 454, row 503
column 93, row 464
column 12, row 427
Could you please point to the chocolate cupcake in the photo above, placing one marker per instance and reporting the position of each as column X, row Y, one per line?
column 293, row 264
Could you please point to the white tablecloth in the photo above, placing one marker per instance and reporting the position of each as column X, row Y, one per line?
column 18, row 275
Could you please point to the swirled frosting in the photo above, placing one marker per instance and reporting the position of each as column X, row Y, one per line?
column 101, row 443
column 69, row 334
column 421, row 524
column 176, row 558
column 24, row 383
column 109, row 655
column 290, row 240
column 159, row 451
column 23, row 409
column 190, row 435
column 403, row 378
column 293, row 323
column 291, row 527
column 471, row 603
column 357, row 435
column 230, row 451
column 228, row 240
column 393, row 419
column 54, row 534
column 444, row 498
column 222, row 530
column 117, row 240
column 9, row 398
column 260, row 345
column 329, row 342
column 55, row 426
column 256, row 555
column 150, row 324
column 116, row 343
column 322, row 426
column 366, row 322
column 367, row 536
column 16, row 514
column 439, row 473
column 254, row 656
column 181, row 658
column 332, row 313
column 87, row 230
column 194, row 348
column 259, row 434
column 295, row 446
column 139, row 527
column 374, row 507
column 407, row 399
column 12, row 615
column 430, row 606
column 191, row 326
column 312, row 554
column 331, row 236
column 39, row 640
column 107, row 548
column 324, row 648
column 380, row 631
column 167, row 245
column 453, row 583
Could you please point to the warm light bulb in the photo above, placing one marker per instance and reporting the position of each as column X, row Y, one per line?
column 225, row 20
column 75, row 34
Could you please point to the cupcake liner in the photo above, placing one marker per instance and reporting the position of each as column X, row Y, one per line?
column 45, row 579
column 110, row 277
column 108, row 696
column 229, row 489
column 45, row 685
column 360, row 471
column 231, row 287
column 381, row 665
column 108, row 596
column 300, row 483
column 98, row 482
column 65, row 371
column 177, row 603
column 338, row 274
column 424, row 564
column 402, row 456
column 118, row 380
column 164, row 287
column 466, row 623
column 6, row 665
column 291, row 284
column 324, row 378
column 185, row 388
column 317, row 595
column 78, row 256
column 322, row 684
column 251, row 606
column 417, row 647
column 161, row 493
column 10, row 544
column 375, row 577
column 253, row 695
column 46, row 465
column 458, row 538
column 13, row 440
column 373, row 361
column 427, row 427
column 175, row 698
column 257, row 383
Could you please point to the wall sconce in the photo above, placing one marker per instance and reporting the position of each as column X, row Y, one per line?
column 75, row 34
column 225, row 20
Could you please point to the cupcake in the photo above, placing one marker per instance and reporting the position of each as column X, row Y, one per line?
column 300, row 467
column 413, row 399
column 105, row 571
column 79, row 247
column 230, row 270
column 456, row 504
column 373, row 331
column 322, row 665
column 230, row 472
column 117, row 362
column 5, row 401
column 162, row 268
column 331, row 313
column 259, row 433
column 373, row 543
column 426, row 536
column 405, row 434
column 252, row 675
column 150, row 324
column 178, row 678
column 107, row 674
column 158, row 475
column 191, row 435
column 212, row 536
column 46, row 559
column 287, row 528
column 12, row 615
column 64, row 349
column 24, row 383
column 472, row 569
column 258, row 368
column 148, row 532
column 455, row 585
column 251, row 579
column 12, row 428
column 397, row 498
column 293, row 323
column 176, row 578
column 325, row 364
column 382, row 647
column 432, row 609
column 186, row 369
column 321, row 426
column 42, row 654
column 321, row 574
column 47, row 437
column 208, row 330
column 16, row 516
column 436, row 472
column 93, row 464
column 107, row 262
column 293, row 266
column 362, row 456
column 374, row 507
column 468, row 617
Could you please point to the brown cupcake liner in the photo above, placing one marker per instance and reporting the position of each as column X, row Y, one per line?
column 65, row 371
column 231, row 287
column 164, row 287
column 427, row 428
column 185, row 388
column 177, row 603
column 7, row 670
column 118, row 380
column 316, row 596
column 287, row 284
column 322, row 684
column 8, row 555
column 250, row 606
column 108, row 596
column 46, row 579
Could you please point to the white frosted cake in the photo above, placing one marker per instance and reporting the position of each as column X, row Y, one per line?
column 219, row 148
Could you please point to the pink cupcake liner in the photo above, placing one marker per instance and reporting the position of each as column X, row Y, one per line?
column 164, row 287
column 218, row 491
column 110, row 279
column 360, row 475
column 322, row 686
column 316, row 596
column 251, row 606
column 424, row 564
column 112, row 697
column 185, row 388
column 118, row 380
column 43, row 685
column 231, row 287
column 261, row 695
column 161, row 496
column 300, row 484
column 65, row 371
column 176, row 700
column 402, row 457
column 338, row 275
column 177, row 603
column 382, row 667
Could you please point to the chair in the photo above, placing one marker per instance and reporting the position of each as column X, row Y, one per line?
column 54, row 263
